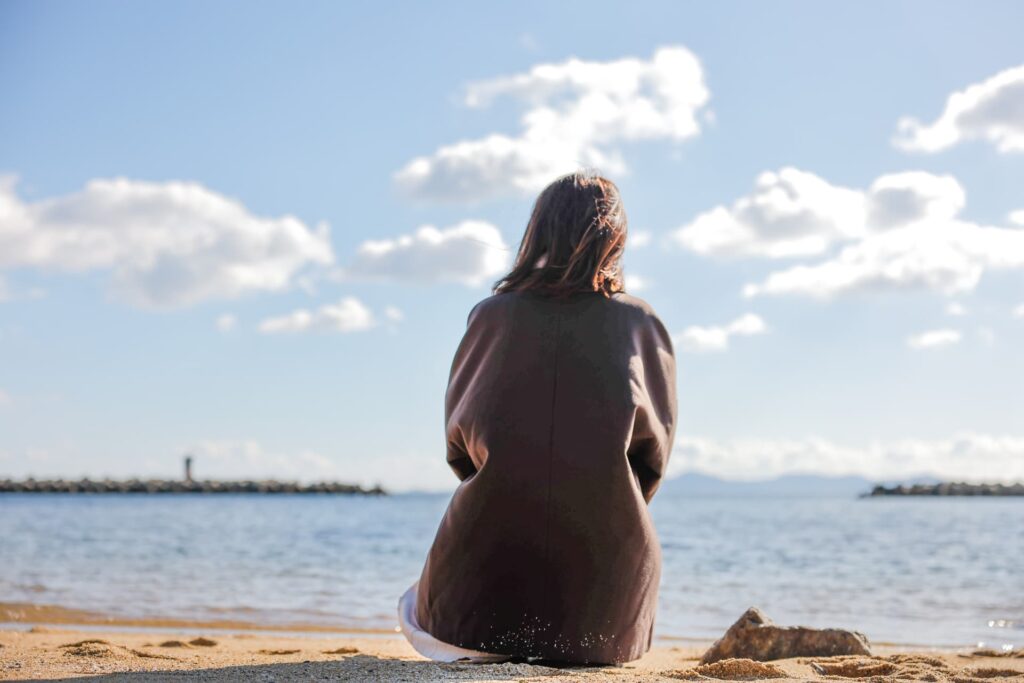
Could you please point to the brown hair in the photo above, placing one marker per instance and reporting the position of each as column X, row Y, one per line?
column 578, row 225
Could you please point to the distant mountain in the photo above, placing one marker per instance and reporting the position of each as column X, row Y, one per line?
column 789, row 485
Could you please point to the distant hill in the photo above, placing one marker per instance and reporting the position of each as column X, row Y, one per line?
column 789, row 485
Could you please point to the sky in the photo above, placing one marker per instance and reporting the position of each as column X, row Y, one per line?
column 253, row 231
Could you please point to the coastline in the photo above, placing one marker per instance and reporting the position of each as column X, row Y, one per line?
column 42, row 652
column 15, row 614
column 23, row 617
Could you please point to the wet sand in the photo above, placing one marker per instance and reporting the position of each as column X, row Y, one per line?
column 57, row 653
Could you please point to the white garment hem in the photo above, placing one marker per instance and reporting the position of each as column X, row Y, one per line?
column 429, row 646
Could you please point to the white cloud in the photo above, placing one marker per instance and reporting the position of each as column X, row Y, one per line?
column 5, row 399
column 949, row 257
column 790, row 213
column 576, row 112
column 636, row 283
column 1019, row 311
column 393, row 313
column 955, row 309
column 794, row 213
column 1016, row 217
column 933, row 339
column 992, row 110
column 166, row 244
column 899, row 199
column 699, row 339
column 962, row 457
column 639, row 238
column 469, row 253
column 902, row 232
column 227, row 322
column 348, row 315
column 233, row 459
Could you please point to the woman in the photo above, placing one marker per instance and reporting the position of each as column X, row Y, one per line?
column 560, row 413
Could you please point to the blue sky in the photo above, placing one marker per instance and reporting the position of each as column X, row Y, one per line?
column 212, row 226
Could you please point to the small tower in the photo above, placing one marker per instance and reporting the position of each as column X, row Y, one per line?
column 188, row 468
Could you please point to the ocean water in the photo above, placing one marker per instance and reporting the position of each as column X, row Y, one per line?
column 928, row 571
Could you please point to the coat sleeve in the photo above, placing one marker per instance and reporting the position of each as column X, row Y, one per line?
column 653, row 371
column 459, row 379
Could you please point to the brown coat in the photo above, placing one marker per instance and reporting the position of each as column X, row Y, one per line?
column 560, row 416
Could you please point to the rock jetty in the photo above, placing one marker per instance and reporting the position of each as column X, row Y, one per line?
column 949, row 489
column 180, row 486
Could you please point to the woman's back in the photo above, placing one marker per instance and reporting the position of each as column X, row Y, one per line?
column 560, row 415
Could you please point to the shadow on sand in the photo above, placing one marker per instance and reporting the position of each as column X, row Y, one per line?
column 364, row 668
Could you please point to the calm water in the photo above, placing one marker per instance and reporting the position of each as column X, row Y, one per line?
column 920, row 571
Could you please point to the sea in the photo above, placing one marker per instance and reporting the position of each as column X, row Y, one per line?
column 929, row 572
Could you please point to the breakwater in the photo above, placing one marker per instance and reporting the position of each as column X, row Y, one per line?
column 166, row 486
column 949, row 489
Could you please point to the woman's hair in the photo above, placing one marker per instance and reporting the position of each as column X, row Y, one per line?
column 573, row 241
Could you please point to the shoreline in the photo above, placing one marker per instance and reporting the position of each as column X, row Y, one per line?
column 23, row 617
column 32, row 614
column 147, row 655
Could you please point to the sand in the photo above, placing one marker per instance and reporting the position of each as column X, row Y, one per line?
column 52, row 653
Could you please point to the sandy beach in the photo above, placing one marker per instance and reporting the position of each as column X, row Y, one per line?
column 58, row 653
